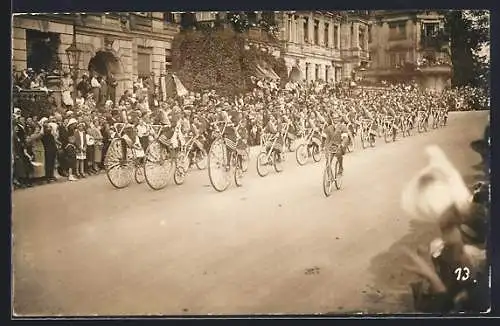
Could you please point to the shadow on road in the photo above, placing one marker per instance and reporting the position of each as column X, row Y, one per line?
column 391, row 289
column 391, row 292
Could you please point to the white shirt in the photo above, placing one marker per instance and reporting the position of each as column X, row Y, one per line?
column 90, row 140
column 80, row 134
column 94, row 83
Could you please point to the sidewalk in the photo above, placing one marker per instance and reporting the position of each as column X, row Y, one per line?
column 254, row 151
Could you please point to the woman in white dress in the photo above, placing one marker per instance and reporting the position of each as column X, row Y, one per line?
column 66, row 89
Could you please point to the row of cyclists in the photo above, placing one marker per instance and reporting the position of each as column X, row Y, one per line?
column 332, row 122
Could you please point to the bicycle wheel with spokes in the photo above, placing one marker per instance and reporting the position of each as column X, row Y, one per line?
column 263, row 164
column 238, row 171
column 245, row 159
column 337, row 175
column 327, row 180
column 181, row 168
column 158, row 166
column 316, row 152
column 388, row 134
column 200, row 158
column 363, row 139
column 301, row 154
column 139, row 173
column 278, row 159
column 119, row 171
column 218, row 167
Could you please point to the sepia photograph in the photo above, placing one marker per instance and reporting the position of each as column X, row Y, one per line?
column 228, row 163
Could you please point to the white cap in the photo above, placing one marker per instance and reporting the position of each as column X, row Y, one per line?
column 71, row 121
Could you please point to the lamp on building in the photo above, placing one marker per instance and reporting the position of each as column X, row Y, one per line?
column 74, row 53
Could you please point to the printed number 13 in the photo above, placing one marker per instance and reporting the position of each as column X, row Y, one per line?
column 462, row 273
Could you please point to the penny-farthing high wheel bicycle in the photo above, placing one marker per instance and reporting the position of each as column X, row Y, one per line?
column 225, row 159
column 159, row 160
column 124, row 157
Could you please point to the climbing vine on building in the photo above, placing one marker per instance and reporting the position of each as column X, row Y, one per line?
column 218, row 60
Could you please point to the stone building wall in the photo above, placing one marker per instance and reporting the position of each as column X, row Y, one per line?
column 99, row 33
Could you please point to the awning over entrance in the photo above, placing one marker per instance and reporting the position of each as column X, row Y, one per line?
column 295, row 74
column 268, row 73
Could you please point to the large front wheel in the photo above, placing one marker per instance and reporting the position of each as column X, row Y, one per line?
column 119, row 171
column 158, row 166
column 218, row 165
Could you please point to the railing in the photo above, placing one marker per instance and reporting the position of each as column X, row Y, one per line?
column 140, row 22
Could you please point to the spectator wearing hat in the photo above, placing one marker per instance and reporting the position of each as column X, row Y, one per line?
column 38, row 151
column 22, row 165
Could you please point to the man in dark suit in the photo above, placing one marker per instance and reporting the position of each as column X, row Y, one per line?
column 112, row 84
column 50, row 147
column 84, row 86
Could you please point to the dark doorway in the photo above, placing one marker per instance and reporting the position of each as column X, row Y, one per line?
column 104, row 63
column 42, row 49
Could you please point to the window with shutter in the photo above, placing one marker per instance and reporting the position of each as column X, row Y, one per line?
column 143, row 64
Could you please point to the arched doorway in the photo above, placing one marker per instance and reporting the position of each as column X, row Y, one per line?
column 105, row 63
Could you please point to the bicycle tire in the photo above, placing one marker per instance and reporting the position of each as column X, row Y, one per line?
column 262, row 163
column 201, row 159
column 113, row 164
column 157, row 159
column 211, row 165
column 301, row 154
column 238, row 172
column 316, row 152
column 327, row 182
column 338, row 176
column 139, row 174
column 278, row 162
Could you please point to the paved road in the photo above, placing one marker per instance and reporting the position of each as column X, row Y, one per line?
column 276, row 245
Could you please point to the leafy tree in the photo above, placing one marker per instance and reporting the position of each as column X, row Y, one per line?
column 469, row 32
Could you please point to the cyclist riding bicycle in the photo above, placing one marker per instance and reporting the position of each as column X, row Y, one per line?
column 335, row 140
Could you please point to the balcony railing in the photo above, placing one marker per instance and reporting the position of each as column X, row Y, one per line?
column 140, row 22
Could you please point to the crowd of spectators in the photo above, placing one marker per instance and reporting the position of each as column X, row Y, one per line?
column 86, row 121
column 84, row 128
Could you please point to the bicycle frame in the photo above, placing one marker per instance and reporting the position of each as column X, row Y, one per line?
column 280, row 134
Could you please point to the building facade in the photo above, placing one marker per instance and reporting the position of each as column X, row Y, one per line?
column 408, row 45
column 324, row 45
column 129, row 45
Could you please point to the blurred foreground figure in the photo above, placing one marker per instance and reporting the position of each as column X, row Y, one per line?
column 453, row 268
